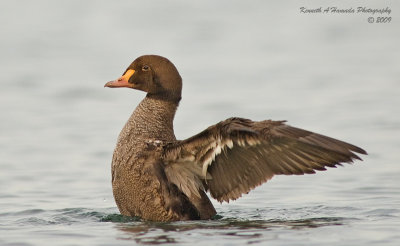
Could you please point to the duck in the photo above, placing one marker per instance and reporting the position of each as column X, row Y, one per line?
column 159, row 178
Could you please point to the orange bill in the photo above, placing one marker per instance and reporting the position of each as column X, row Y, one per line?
column 121, row 81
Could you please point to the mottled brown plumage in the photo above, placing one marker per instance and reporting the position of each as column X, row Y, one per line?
column 159, row 178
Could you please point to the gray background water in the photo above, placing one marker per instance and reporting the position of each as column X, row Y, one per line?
column 335, row 74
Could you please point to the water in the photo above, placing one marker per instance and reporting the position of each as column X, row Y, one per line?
column 333, row 74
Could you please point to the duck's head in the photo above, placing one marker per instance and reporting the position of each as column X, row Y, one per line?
column 153, row 74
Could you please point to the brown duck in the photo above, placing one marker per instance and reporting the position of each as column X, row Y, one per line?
column 159, row 178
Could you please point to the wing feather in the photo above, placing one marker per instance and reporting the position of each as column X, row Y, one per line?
column 236, row 155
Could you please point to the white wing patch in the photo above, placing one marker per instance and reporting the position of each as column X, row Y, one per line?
column 191, row 170
column 221, row 145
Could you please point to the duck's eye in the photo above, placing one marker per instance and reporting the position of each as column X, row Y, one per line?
column 145, row 68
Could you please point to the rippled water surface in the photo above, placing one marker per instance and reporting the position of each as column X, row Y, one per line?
column 335, row 74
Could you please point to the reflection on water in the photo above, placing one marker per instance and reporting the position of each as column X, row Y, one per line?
column 230, row 225
column 175, row 232
column 244, row 226
column 158, row 233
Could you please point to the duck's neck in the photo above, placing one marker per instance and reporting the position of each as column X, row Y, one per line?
column 153, row 119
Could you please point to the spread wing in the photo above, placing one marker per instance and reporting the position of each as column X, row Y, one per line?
column 236, row 155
